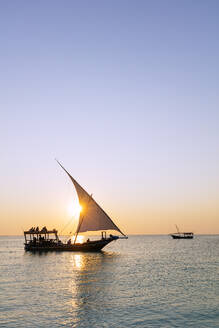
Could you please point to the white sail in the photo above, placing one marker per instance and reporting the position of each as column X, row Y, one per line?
column 92, row 217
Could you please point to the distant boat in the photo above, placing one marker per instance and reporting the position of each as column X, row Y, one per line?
column 92, row 218
column 182, row 235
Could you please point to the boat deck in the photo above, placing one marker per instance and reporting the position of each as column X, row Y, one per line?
column 89, row 246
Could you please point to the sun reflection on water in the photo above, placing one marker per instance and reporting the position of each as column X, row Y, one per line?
column 80, row 239
column 78, row 261
column 86, row 271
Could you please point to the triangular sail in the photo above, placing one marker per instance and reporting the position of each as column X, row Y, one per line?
column 93, row 217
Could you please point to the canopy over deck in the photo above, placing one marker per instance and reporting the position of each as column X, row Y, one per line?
column 36, row 231
column 36, row 234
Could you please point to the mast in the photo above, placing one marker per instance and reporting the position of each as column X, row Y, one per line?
column 177, row 228
column 78, row 228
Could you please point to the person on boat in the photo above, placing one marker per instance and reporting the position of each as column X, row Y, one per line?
column 88, row 240
column 41, row 239
column 69, row 242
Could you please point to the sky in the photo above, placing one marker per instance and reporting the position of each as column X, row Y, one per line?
column 125, row 95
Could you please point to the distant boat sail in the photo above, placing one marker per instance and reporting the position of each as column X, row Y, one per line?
column 92, row 218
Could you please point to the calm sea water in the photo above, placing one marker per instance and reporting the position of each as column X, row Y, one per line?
column 145, row 281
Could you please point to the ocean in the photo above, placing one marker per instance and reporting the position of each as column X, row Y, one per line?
column 145, row 281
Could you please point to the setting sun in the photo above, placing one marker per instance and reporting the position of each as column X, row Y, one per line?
column 74, row 209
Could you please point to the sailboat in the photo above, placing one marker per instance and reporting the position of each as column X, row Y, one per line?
column 92, row 218
column 182, row 235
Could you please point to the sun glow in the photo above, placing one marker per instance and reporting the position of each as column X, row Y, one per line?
column 74, row 209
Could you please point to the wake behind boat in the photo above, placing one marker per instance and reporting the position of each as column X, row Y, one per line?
column 93, row 218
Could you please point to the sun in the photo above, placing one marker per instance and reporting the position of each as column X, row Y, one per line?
column 78, row 209
column 74, row 209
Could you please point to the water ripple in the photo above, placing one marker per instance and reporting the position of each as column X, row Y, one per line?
column 145, row 281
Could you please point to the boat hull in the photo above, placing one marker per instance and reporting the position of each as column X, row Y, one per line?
column 181, row 237
column 91, row 246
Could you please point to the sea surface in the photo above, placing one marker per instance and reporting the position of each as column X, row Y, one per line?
column 145, row 281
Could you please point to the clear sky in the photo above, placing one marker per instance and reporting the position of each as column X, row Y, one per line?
column 125, row 94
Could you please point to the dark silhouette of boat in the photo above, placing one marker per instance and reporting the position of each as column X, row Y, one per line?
column 182, row 235
column 92, row 218
column 45, row 240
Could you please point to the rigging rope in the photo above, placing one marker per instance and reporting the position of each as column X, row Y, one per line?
column 66, row 225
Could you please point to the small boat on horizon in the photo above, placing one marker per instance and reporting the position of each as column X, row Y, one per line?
column 92, row 218
column 182, row 235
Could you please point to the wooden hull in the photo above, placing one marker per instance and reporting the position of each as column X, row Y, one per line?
column 91, row 246
column 181, row 237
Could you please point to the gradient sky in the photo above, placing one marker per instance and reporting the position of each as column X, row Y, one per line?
column 125, row 94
